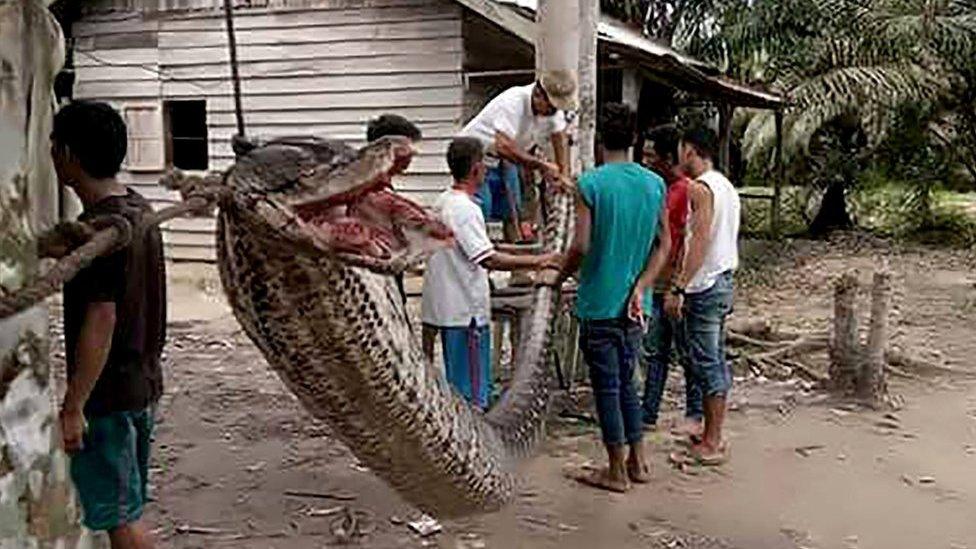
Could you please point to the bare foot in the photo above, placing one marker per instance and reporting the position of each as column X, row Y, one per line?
column 639, row 472
column 603, row 480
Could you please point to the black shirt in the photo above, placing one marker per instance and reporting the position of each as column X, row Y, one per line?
column 134, row 278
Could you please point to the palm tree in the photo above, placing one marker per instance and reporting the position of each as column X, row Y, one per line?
column 846, row 62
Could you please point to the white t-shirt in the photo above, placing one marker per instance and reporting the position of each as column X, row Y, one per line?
column 723, row 253
column 455, row 284
column 511, row 113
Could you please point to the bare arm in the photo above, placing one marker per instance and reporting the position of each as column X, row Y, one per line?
column 94, row 343
column 659, row 254
column 507, row 148
column 560, row 147
column 501, row 261
column 581, row 240
column 700, row 198
column 517, row 249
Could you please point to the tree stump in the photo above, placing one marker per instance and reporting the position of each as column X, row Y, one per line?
column 845, row 346
column 871, row 383
column 856, row 369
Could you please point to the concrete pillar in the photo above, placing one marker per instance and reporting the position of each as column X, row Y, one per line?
column 36, row 505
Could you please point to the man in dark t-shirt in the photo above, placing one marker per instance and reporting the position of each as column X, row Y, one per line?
column 114, row 324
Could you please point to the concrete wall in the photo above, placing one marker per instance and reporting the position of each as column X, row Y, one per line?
column 36, row 507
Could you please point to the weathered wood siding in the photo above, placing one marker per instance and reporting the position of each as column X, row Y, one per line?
column 321, row 67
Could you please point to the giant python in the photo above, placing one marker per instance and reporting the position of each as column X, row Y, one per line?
column 313, row 292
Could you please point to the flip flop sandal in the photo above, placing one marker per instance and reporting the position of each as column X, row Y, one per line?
column 712, row 460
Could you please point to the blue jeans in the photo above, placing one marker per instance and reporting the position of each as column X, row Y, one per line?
column 492, row 193
column 704, row 335
column 656, row 352
column 610, row 350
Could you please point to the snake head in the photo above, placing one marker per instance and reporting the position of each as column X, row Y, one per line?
column 333, row 199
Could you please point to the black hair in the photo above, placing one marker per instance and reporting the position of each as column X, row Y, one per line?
column 391, row 124
column 617, row 127
column 95, row 134
column 665, row 143
column 462, row 154
column 703, row 140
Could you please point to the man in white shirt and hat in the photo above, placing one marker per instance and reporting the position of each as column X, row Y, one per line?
column 510, row 125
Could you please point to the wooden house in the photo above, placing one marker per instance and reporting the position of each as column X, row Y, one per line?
column 325, row 67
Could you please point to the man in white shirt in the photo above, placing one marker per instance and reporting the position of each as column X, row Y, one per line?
column 702, row 288
column 508, row 127
column 456, row 295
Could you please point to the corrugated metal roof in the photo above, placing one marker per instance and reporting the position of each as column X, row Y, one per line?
column 670, row 66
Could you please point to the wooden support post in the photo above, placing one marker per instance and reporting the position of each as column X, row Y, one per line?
column 725, row 137
column 780, row 177
column 234, row 72
column 871, row 384
column 845, row 348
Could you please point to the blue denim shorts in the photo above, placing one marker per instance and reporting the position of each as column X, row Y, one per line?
column 111, row 471
column 704, row 335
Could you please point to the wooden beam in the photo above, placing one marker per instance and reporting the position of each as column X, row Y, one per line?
column 725, row 137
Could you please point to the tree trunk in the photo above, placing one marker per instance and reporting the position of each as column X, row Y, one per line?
column 589, row 17
column 34, row 494
column 833, row 212
column 871, row 385
column 845, row 350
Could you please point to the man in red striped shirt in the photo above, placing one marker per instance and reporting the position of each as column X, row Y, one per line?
column 656, row 351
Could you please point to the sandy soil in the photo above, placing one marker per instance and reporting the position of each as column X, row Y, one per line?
column 805, row 471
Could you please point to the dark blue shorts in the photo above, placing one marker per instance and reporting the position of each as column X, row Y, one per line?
column 111, row 471
column 467, row 362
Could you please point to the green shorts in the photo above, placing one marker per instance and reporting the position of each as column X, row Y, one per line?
column 111, row 471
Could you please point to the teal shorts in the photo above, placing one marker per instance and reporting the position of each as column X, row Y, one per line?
column 111, row 470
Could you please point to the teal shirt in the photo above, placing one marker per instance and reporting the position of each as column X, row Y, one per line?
column 625, row 202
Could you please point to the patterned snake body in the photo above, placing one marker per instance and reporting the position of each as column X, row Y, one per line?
column 338, row 337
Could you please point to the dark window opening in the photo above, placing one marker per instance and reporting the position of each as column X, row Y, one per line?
column 186, row 135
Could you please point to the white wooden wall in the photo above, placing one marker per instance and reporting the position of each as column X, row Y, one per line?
column 322, row 68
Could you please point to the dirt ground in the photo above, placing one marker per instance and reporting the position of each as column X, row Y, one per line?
column 806, row 472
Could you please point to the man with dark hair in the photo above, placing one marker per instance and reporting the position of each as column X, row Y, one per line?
column 664, row 331
column 114, row 330
column 619, row 214
column 392, row 124
column 702, row 287
column 387, row 125
column 456, row 296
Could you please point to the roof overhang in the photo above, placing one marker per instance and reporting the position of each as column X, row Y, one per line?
column 658, row 62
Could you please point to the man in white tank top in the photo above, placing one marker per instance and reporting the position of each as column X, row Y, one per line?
column 702, row 289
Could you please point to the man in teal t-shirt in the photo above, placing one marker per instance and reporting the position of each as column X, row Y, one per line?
column 619, row 214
